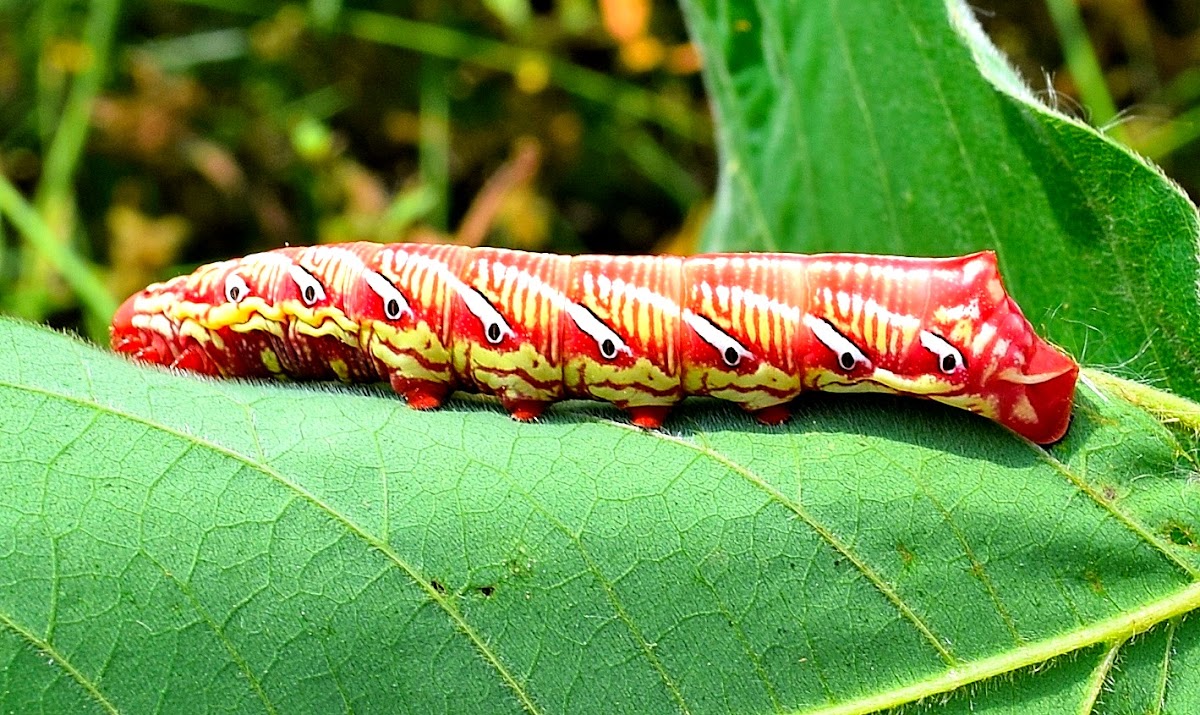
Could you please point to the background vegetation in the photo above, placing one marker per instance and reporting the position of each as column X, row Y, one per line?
column 154, row 135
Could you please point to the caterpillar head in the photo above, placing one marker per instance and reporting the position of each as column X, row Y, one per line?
column 158, row 325
column 131, row 333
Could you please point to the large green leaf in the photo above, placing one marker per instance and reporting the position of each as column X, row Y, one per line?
column 185, row 545
column 898, row 129
column 180, row 545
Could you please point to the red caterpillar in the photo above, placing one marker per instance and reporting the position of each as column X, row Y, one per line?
column 639, row 332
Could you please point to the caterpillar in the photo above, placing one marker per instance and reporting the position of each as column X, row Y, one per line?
column 641, row 332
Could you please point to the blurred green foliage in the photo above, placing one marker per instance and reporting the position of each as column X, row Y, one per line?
column 220, row 128
column 148, row 136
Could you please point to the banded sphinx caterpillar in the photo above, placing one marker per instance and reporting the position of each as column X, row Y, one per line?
column 641, row 332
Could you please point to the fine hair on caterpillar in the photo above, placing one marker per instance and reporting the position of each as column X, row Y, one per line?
column 641, row 332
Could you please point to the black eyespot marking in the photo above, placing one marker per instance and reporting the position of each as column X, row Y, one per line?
column 727, row 346
column 949, row 358
column 848, row 354
column 491, row 320
column 235, row 288
column 608, row 342
column 311, row 289
column 392, row 300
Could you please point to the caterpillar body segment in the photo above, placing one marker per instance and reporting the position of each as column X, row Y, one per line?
column 620, row 333
column 640, row 332
column 742, row 339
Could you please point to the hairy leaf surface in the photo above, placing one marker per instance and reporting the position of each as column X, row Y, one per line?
column 187, row 545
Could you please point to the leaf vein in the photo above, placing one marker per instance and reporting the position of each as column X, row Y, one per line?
column 864, row 109
column 977, row 567
column 242, row 664
column 967, row 163
column 1124, row 519
column 728, row 127
column 1161, row 700
column 441, row 600
column 875, row 579
column 607, row 586
column 1098, row 678
column 44, row 646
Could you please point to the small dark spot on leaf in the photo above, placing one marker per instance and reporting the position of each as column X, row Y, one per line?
column 1094, row 581
column 487, row 591
column 437, row 586
column 1109, row 493
column 906, row 557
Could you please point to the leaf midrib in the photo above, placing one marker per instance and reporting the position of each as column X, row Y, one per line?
column 1117, row 629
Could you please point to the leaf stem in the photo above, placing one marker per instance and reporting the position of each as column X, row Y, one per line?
column 441, row 41
column 73, row 125
column 658, row 164
column 435, row 139
column 1168, row 407
column 1172, row 136
column 53, row 196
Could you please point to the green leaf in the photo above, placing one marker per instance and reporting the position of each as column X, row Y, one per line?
column 189, row 545
column 901, row 130
column 183, row 545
